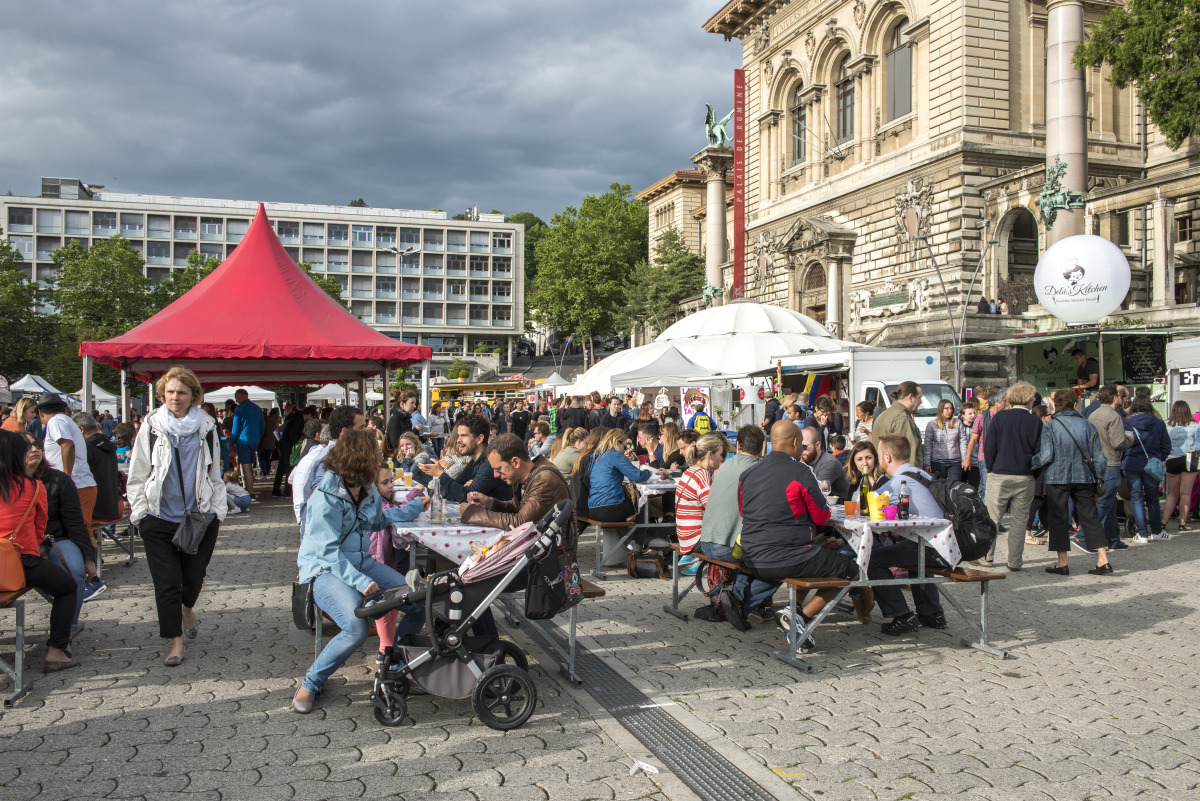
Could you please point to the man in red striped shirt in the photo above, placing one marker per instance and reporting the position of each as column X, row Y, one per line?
column 781, row 507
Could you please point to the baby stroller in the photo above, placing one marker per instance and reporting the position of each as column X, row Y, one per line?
column 450, row 662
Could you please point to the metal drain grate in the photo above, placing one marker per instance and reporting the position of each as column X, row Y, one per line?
column 708, row 774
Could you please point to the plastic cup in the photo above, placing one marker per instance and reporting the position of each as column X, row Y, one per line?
column 851, row 508
column 889, row 512
column 407, row 479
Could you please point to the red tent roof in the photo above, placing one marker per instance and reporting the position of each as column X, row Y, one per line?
column 256, row 318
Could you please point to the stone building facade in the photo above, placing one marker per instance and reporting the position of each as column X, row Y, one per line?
column 883, row 136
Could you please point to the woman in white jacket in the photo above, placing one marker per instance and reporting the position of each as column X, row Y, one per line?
column 176, row 468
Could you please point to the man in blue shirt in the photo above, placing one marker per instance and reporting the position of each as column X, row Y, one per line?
column 700, row 421
column 894, row 452
column 248, row 426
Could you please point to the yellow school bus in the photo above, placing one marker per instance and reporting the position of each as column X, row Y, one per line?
column 481, row 390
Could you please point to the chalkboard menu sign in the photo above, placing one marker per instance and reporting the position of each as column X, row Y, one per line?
column 1144, row 358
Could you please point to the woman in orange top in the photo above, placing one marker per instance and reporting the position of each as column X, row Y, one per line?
column 22, row 415
column 23, row 517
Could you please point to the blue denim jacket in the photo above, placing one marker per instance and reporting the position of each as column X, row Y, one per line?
column 337, row 534
column 1063, row 461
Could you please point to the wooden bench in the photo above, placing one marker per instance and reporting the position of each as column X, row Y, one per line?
column 602, row 535
column 676, row 595
column 511, row 604
column 970, row 575
column 16, row 671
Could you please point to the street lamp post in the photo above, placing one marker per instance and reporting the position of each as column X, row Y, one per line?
column 400, row 254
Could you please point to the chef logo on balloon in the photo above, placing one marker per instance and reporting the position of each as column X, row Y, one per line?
column 1081, row 295
column 1076, row 289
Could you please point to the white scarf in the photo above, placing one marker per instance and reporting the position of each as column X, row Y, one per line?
column 181, row 427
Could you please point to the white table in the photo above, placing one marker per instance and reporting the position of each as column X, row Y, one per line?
column 934, row 532
column 451, row 540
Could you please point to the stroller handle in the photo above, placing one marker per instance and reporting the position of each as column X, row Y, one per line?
column 552, row 525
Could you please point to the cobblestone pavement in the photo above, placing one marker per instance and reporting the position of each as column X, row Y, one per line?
column 220, row 726
column 1101, row 700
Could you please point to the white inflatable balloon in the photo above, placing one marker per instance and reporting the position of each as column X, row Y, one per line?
column 1082, row 279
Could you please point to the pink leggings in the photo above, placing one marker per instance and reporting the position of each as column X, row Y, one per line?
column 386, row 628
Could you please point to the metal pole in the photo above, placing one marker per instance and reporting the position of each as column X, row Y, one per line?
column 87, row 383
column 949, row 315
column 962, row 328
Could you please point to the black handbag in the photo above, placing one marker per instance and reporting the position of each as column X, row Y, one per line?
column 546, row 593
column 194, row 524
column 303, row 608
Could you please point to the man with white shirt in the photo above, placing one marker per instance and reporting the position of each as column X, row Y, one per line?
column 309, row 470
column 66, row 450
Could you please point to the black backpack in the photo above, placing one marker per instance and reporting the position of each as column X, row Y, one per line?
column 960, row 503
column 581, row 486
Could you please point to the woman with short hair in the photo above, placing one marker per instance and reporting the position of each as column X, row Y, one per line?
column 1181, row 472
column 24, row 413
column 175, row 468
column 335, row 553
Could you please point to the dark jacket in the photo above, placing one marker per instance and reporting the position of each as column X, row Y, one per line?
column 102, row 459
column 609, row 420
column 540, row 492
column 1013, row 438
column 293, row 430
column 1064, row 462
column 64, row 515
column 781, row 506
column 574, row 417
column 1154, row 437
column 397, row 424
column 482, row 479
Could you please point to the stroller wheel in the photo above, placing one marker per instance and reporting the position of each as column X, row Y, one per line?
column 392, row 712
column 511, row 654
column 504, row 697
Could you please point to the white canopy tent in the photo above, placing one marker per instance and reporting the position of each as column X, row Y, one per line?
column 102, row 399
column 262, row 397
column 731, row 340
column 670, row 369
column 555, row 380
column 331, row 392
column 1183, row 372
column 31, row 384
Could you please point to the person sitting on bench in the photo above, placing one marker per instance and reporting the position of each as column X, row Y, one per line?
column 607, row 501
column 536, row 483
column 471, row 433
column 781, row 507
column 894, row 454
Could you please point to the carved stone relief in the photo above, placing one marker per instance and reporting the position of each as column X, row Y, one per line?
column 762, row 37
column 889, row 300
column 764, row 259
column 914, row 206
column 831, row 28
column 860, row 12
column 810, row 45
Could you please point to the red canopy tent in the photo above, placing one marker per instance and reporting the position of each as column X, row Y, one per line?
column 256, row 319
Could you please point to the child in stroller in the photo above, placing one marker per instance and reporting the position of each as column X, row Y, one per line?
column 449, row 662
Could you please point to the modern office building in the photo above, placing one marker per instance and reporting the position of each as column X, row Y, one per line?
column 455, row 285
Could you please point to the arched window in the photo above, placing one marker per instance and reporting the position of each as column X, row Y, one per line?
column 799, row 127
column 899, row 72
column 845, row 101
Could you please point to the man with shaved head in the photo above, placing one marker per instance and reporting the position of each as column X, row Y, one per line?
column 781, row 507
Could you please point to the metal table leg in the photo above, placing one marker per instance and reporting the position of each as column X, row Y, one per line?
column 17, row 671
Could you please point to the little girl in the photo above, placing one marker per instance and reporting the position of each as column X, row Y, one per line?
column 235, row 495
column 384, row 552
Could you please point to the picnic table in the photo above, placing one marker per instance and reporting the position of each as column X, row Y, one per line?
column 611, row 538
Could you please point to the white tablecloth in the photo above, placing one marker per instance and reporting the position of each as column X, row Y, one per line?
column 655, row 486
column 451, row 540
column 936, row 533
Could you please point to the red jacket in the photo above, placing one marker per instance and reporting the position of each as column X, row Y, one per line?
column 29, row 538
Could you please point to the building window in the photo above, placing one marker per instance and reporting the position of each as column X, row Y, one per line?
column 456, row 241
column 479, row 242
column 899, row 73
column 211, row 225
column 845, row 101
column 501, row 315
column 23, row 245
column 1183, row 228
column 501, row 240
column 385, row 236
column 104, row 223
column 501, row 289
column 185, row 227
column 158, row 250
column 433, row 239
column 314, row 233
column 20, row 219
column 131, row 225
column 77, row 222
column 362, row 234
column 501, row 265
column 234, row 229
column 288, row 229
column 799, row 128
column 339, row 233
column 410, row 236
column 1121, row 228
column 49, row 221
column 664, row 215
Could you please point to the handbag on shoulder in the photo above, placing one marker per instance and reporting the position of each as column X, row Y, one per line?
column 12, row 572
column 194, row 524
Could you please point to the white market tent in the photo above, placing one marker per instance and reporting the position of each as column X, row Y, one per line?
column 671, row 369
column 331, row 392
column 103, row 400
column 731, row 340
column 555, row 380
column 260, row 396
column 374, row 397
column 31, row 384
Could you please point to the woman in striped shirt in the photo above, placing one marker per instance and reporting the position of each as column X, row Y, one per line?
column 691, row 496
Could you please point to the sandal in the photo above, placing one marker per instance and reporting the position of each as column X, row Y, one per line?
column 1033, row 541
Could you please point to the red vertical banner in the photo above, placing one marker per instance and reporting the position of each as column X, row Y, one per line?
column 739, row 185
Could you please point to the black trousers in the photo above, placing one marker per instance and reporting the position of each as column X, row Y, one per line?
column 616, row 513
column 1059, row 522
column 285, row 468
column 177, row 576
column 44, row 575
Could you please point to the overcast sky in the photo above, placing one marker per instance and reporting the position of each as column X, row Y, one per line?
column 520, row 106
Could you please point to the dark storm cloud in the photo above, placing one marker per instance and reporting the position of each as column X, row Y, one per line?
column 513, row 105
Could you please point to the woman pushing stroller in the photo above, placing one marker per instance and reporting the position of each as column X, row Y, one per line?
column 335, row 553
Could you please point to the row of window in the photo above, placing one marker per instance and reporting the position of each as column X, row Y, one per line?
column 162, row 226
column 385, row 312
column 898, row 79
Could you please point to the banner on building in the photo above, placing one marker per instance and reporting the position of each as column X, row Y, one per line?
column 739, row 185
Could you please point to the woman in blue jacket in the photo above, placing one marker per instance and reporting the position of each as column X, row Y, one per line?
column 335, row 553
column 610, row 466
column 1150, row 439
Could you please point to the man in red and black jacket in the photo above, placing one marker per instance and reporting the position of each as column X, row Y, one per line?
column 781, row 507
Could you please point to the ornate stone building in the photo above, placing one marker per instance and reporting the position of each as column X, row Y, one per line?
column 873, row 124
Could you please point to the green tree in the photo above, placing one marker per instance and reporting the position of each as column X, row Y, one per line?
column 102, row 292
column 587, row 257
column 535, row 229
column 25, row 328
column 1155, row 45
column 357, row 203
column 180, row 281
column 331, row 285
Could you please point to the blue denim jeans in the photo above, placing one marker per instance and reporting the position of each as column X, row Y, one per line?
column 1107, row 505
column 1146, row 510
column 890, row 600
column 339, row 601
column 982, row 481
column 754, row 592
column 241, row 501
column 74, row 566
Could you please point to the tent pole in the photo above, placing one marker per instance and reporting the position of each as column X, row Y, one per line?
column 87, row 383
column 425, row 386
column 125, row 416
column 387, row 395
column 150, row 399
column 362, row 394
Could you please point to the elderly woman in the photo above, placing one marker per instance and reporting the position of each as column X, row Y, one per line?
column 335, row 553
column 175, row 468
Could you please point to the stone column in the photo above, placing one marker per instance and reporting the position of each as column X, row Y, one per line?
column 1066, row 113
column 714, row 162
column 1163, row 231
column 833, row 300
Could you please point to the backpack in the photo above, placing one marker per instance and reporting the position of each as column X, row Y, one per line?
column 702, row 423
column 212, row 442
column 581, row 486
column 963, row 507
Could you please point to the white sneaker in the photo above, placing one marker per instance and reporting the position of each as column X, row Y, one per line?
column 1162, row 535
column 1140, row 540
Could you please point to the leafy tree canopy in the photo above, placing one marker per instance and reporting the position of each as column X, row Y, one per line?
column 535, row 229
column 1155, row 45
column 25, row 345
column 587, row 257
column 656, row 289
column 357, row 203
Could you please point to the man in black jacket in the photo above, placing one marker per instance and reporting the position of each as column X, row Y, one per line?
column 472, row 434
column 1013, row 439
column 293, row 432
column 614, row 418
column 102, row 460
